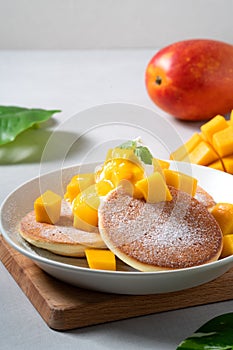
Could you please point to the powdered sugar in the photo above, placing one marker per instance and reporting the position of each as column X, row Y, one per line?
column 174, row 234
column 62, row 232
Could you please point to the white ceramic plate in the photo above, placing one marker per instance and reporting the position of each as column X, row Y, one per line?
column 125, row 280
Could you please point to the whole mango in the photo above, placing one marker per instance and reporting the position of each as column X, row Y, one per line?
column 192, row 79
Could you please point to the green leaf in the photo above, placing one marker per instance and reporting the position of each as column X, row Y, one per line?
column 128, row 145
column 217, row 334
column 14, row 120
column 142, row 152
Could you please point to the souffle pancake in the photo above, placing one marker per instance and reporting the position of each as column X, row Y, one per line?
column 61, row 238
column 174, row 234
column 204, row 197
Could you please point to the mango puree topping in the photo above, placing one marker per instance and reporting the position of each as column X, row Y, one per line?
column 123, row 167
column 77, row 184
column 107, row 177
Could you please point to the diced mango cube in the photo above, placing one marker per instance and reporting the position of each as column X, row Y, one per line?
column 157, row 166
column 179, row 153
column 184, row 150
column 223, row 141
column 218, row 165
column 48, row 207
column 101, row 259
column 125, row 172
column 123, row 153
column 194, row 140
column 181, row 181
column 82, row 225
column 154, row 188
column 223, row 213
column 214, row 125
column 215, row 146
column 103, row 187
column 156, row 162
column 228, row 164
column 202, row 154
column 227, row 249
column 85, row 208
column 77, row 184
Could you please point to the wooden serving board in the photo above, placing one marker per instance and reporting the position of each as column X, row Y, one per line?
column 64, row 307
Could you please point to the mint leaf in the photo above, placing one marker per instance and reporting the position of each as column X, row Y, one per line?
column 14, row 120
column 142, row 152
column 128, row 145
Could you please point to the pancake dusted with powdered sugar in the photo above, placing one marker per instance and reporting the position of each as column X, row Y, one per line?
column 175, row 234
column 62, row 238
column 204, row 197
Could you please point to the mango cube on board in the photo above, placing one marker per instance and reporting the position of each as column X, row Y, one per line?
column 100, row 259
column 218, row 165
column 228, row 164
column 214, row 125
column 183, row 151
column 202, row 154
column 48, row 207
column 223, row 141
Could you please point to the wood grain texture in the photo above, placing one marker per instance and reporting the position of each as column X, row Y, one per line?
column 64, row 307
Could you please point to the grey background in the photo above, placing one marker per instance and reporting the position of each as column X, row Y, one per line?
column 79, row 24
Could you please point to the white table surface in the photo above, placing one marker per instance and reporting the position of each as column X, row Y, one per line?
column 74, row 81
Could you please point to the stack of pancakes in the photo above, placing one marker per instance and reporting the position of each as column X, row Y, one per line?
column 149, row 237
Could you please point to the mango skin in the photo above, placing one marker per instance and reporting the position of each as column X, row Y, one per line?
column 192, row 79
